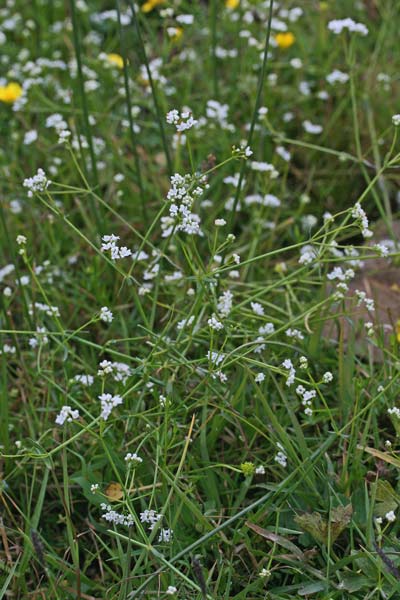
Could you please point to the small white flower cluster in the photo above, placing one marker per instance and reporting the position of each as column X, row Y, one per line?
column 119, row 371
column 182, row 121
column 294, row 333
column 396, row 120
column 40, row 338
column 37, row 183
column 312, row 128
column 133, row 458
column 268, row 200
column 288, row 365
column 257, row 308
column 343, row 277
column 359, row 214
column 327, row 377
column 307, row 396
column 390, row 516
column 394, row 411
column 337, row 77
column 218, row 112
column 56, row 121
column 215, row 358
column 264, row 167
column 50, row 311
column 171, row 590
column 86, row 380
column 165, row 536
column 369, row 326
column 281, row 457
column 213, row 323
column 105, row 314
column 67, row 414
column 381, row 249
column 110, row 243
column 224, row 304
column 7, row 349
column 182, row 194
column 336, row 26
column 108, row 402
column 244, row 151
column 151, row 517
column 308, row 254
column 362, row 297
column 112, row 516
column 259, row 378
column 185, row 323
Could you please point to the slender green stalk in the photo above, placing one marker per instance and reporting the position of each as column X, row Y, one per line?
column 130, row 117
column 144, row 58
column 257, row 103
column 85, row 109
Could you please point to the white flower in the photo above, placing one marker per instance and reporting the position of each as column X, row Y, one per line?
column 171, row 590
column 30, row 137
column 215, row 324
column 94, row 487
column 183, row 120
column 283, row 153
column 185, row 19
column 106, row 315
column 219, row 222
column 133, row 458
column 396, row 120
column 165, row 535
column 390, row 516
column 264, row 573
column 215, row 358
column 264, row 167
column 225, row 302
column 67, row 414
column 294, row 333
column 381, row 249
column 327, row 377
column 112, row 516
column 37, row 183
column 281, row 457
column 257, row 308
column 312, row 127
column 259, row 378
column 86, row 380
column 337, row 77
column 394, row 411
column 338, row 25
column 108, row 402
column 110, row 243
column 21, row 240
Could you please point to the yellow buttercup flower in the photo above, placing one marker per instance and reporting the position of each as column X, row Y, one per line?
column 285, row 40
column 10, row 93
column 232, row 4
column 150, row 5
column 116, row 59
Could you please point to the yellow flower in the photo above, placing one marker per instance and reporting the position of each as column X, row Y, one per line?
column 323, row 6
column 10, row 93
column 116, row 59
column 285, row 40
column 232, row 4
column 150, row 5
